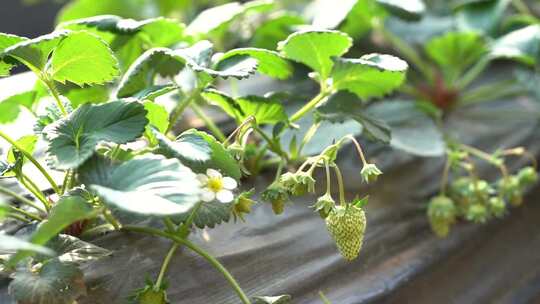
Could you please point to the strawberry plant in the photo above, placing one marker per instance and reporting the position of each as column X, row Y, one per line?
column 147, row 118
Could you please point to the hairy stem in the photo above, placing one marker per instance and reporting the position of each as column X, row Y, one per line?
column 52, row 89
column 340, row 185
column 32, row 160
column 32, row 187
column 358, row 149
column 444, row 179
column 21, row 199
column 213, row 261
column 309, row 106
column 179, row 109
column 25, row 213
column 208, row 122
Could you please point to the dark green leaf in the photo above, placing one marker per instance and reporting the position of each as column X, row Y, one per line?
column 71, row 249
column 269, row 62
column 406, row 9
column 34, row 53
column 73, row 139
column 522, row 45
column 412, row 130
column 209, row 215
column 370, row 76
column 149, row 185
column 315, row 48
column 275, row 29
column 55, row 283
column 201, row 151
column 66, row 211
column 140, row 75
column 481, row 16
column 83, row 58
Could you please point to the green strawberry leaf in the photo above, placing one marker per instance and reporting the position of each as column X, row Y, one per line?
column 155, row 91
column 276, row 28
column 56, row 282
column 88, row 94
column 158, row 118
column 72, row 140
column 522, row 45
column 10, row 108
column 411, row 10
column 225, row 102
column 412, row 130
column 34, row 53
column 11, row 244
column 370, row 76
column 141, row 74
column 83, row 58
column 67, row 210
column 269, row 62
column 209, row 214
column 283, row 299
column 456, row 51
column 343, row 106
column 481, row 16
column 201, row 151
column 27, row 143
column 214, row 18
column 328, row 15
column 146, row 185
column 361, row 17
column 7, row 40
column 315, row 48
column 73, row 250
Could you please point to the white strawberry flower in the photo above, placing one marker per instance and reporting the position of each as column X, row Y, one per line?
column 216, row 186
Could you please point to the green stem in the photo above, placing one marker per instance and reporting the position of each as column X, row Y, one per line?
column 309, row 106
column 328, row 178
column 521, row 7
column 308, row 136
column 208, row 122
column 25, row 213
column 473, row 73
column 324, row 298
column 179, row 110
column 110, row 218
column 19, row 217
column 271, row 143
column 32, row 187
column 490, row 92
column 487, row 157
column 52, row 89
column 165, row 265
column 340, row 185
column 21, row 199
column 358, row 149
column 213, row 261
column 444, row 179
column 404, row 48
column 32, row 160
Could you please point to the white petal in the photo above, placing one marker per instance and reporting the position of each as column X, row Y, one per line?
column 203, row 179
column 208, row 195
column 225, row 196
column 212, row 173
column 229, row 183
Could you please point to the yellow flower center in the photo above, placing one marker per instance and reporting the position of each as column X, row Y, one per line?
column 215, row 184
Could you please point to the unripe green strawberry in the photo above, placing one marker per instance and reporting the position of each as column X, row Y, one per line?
column 442, row 214
column 527, row 176
column 497, row 206
column 242, row 205
column 277, row 195
column 149, row 295
column 477, row 213
column 511, row 190
column 298, row 183
column 347, row 225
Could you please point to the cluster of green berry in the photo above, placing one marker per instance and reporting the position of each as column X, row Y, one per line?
column 471, row 198
column 346, row 220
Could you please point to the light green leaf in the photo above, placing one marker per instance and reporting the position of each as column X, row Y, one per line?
column 148, row 185
column 456, row 51
column 283, row 299
column 201, row 151
column 27, row 143
column 481, row 16
column 73, row 139
column 209, row 214
column 158, row 119
column 370, row 76
column 55, row 283
column 269, row 62
column 328, row 15
column 83, row 58
column 275, row 29
column 78, row 9
column 213, row 18
column 362, row 17
column 7, row 40
column 266, row 110
column 412, row 130
column 11, row 244
column 522, row 45
column 406, row 9
column 34, row 53
column 88, row 94
column 141, row 74
column 67, row 210
column 155, row 91
column 315, row 48
column 4, row 209
column 10, row 107
column 343, row 106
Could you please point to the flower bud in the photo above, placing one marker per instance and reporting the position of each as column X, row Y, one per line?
column 477, row 213
column 324, row 205
column 277, row 195
column 497, row 206
column 527, row 176
column 442, row 214
column 298, row 183
column 370, row 173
